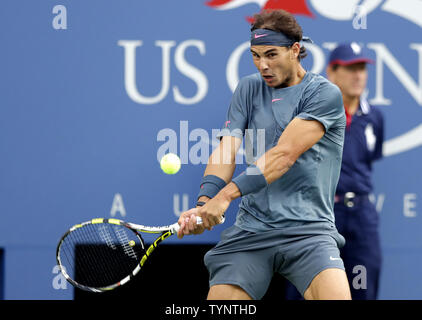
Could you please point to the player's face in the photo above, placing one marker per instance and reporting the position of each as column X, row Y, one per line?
column 351, row 79
column 275, row 64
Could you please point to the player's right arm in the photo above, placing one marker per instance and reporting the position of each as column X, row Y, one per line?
column 222, row 164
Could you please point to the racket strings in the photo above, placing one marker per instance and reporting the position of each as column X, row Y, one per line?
column 92, row 256
column 101, row 255
column 70, row 249
column 104, row 258
column 109, row 260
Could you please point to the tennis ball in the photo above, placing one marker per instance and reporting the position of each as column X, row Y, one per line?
column 170, row 163
column 132, row 243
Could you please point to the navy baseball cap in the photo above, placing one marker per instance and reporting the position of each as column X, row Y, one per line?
column 348, row 53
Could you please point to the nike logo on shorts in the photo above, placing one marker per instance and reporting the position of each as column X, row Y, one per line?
column 333, row 259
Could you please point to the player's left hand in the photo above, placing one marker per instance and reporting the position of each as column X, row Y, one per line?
column 188, row 224
column 213, row 211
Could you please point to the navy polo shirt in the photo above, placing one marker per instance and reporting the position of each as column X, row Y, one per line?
column 363, row 142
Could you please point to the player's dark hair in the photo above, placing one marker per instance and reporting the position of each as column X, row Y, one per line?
column 280, row 21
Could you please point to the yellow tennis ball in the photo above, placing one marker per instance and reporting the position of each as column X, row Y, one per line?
column 132, row 243
column 170, row 163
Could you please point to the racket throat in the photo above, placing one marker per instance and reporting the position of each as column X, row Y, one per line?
column 152, row 247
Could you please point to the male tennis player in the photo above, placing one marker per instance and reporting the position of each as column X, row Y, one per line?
column 285, row 222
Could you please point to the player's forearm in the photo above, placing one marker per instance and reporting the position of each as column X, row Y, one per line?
column 272, row 166
column 275, row 163
column 230, row 192
column 224, row 172
column 297, row 138
column 220, row 168
column 222, row 160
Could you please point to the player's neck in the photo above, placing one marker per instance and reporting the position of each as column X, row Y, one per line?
column 351, row 104
column 299, row 74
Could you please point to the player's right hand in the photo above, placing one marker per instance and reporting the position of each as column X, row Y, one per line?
column 188, row 225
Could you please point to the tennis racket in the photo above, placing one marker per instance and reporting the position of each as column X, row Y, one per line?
column 102, row 254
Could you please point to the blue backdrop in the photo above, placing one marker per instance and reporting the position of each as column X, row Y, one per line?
column 94, row 92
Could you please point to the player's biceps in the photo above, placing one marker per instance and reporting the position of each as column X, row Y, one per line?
column 299, row 136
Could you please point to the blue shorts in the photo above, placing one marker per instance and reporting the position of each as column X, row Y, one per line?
column 249, row 260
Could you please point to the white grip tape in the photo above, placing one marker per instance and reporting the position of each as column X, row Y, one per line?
column 198, row 221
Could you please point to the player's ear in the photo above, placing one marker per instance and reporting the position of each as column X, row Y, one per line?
column 294, row 51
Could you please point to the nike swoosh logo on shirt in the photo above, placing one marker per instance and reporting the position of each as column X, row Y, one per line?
column 274, row 100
